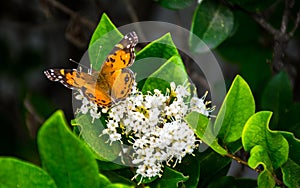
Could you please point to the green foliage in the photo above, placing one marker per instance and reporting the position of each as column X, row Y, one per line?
column 170, row 178
column 203, row 129
column 237, row 107
column 90, row 133
column 103, row 39
column 229, row 181
column 290, row 169
column 64, row 155
column 17, row 173
column 256, row 132
column 277, row 97
column 175, row 4
column 212, row 23
column 171, row 71
column 166, row 65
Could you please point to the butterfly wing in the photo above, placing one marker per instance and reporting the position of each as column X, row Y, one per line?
column 93, row 86
column 122, row 55
column 122, row 85
column 112, row 83
column 68, row 77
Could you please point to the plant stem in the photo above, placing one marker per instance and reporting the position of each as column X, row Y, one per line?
column 241, row 161
column 281, row 36
column 71, row 13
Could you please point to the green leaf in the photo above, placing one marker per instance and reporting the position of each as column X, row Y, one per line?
column 212, row 23
column 161, row 48
column 202, row 127
column 108, row 165
column 118, row 185
column 119, row 176
column 171, row 71
column 259, row 156
column 212, row 166
column 90, row 133
column 229, row 181
column 175, row 4
column 290, row 121
column 190, row 166
column 291, row 171
column 16, row 173
column 102, row 42
column 294, row 146
column 64, row 156
column 236, row 109
column 250, row 57
column 277, row 97
column 160, row 63
column 170, row 178
column 153, row 56
column 252, row 52
column 256, row 132
column 104, row 181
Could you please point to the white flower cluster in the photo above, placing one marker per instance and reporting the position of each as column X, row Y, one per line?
column 87, row 106
column 155, row 126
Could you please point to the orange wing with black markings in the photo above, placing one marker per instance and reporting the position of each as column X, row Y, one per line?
column 114, row 80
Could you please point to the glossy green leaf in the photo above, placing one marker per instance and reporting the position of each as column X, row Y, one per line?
column 175, row 4
column 171, row 71
column 159, row 63
column 102, row 42
column 294, row 146
column 170, row 178
column 163, row 47
column 90, row 133
column 236, row 109
column 259, row 156
column 256, row 132
column 291, row 171
column 202, row 127
column 212, row 23
column 277, row 97
column 104, row 181
column 152, row 57
column 17, row 173
column 66, row 158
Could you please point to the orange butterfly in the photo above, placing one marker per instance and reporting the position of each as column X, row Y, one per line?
column 109, row 85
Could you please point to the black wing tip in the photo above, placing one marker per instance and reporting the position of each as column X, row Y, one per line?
column 132, row 36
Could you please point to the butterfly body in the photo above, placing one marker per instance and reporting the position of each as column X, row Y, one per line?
column 109, row 85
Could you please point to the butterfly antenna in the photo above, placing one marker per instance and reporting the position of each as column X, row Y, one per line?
column 80, row 65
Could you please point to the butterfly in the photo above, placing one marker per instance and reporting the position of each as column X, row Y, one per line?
column 112, row 83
